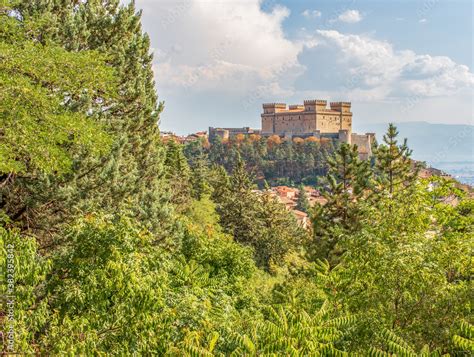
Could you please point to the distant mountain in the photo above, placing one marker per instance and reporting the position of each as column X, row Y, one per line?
column 433, row 143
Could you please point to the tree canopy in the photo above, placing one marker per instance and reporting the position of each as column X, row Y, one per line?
column 114, row 242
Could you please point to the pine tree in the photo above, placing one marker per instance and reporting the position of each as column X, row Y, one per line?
column 394, row 170
column 131, row 179
column 238, row 206
column 302, row 203
column 178, row 175
column 219, row 180
column 348, row 180
column 39, row 130
column 255, row 219
column 200, row 177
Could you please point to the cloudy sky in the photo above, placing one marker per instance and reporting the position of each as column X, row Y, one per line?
column 216, row 61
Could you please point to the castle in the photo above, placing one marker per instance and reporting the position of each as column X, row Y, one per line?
column 312, row 119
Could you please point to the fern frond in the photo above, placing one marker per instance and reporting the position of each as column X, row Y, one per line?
column 237, row 352
column 322, row 266
column 248, row 344
column 342, row 321
column 391, row 337
column 213, row 341
column 400, row 350
column 467, row 329
column 323, row 310
column 375, row 352
column 194, row 351
column 463, row 343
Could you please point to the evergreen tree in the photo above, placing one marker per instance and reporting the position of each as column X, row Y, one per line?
column 131, row 179
column 348, row 179
column 217, row 152
column 238, row 206
column 40, row 129
column 200, row 177
column 394, row 192
column 178, row 175
column 254, row 219
column 219, row 180
column 394, row 170
column 302, row 203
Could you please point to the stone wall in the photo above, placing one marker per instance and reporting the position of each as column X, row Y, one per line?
column 364, row 144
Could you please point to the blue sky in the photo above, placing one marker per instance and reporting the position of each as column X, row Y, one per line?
column 217, row 61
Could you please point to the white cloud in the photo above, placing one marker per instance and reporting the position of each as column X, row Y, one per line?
column 350, row 16
column 423, row 21
column 216, row 62
column 311, row 13
column 227, row 45
column 375, row 70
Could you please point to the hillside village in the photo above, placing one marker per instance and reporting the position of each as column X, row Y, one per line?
column 312, row 121
column 288, row 196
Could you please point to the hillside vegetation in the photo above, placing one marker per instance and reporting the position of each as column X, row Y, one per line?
column 114, row 244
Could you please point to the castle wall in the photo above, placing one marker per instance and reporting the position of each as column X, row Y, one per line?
column 267, row 124
column 226, row 133
column 296, row 123
column 328, row 122
column 364, row 144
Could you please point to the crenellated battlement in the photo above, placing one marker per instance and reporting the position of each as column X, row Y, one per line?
column 274, row 105
column 344, row 104
column 296, row 106
column 315, row 101
column 344, row 107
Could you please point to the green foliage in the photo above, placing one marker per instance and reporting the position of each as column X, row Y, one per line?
column 237, row 207
column 200, row 178
column 205, row 242
column 133, row 253
column 464, row 340
column 24, row 274
column 396, row 346
column 194, row 345
column 396, row 272
column 179, row 176
column 278, row 163
column 285, row 332
column 106, row 295
column 302, row 203
column 38, row 84
column 259, row 221
column 130, row 180
column 348, row 179
column 394, row 172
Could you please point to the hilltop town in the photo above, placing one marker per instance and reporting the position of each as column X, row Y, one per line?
column 313, row 119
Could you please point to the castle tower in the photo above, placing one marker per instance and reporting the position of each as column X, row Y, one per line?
column 344, row 108
column 268, row 116
column 315, row 105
